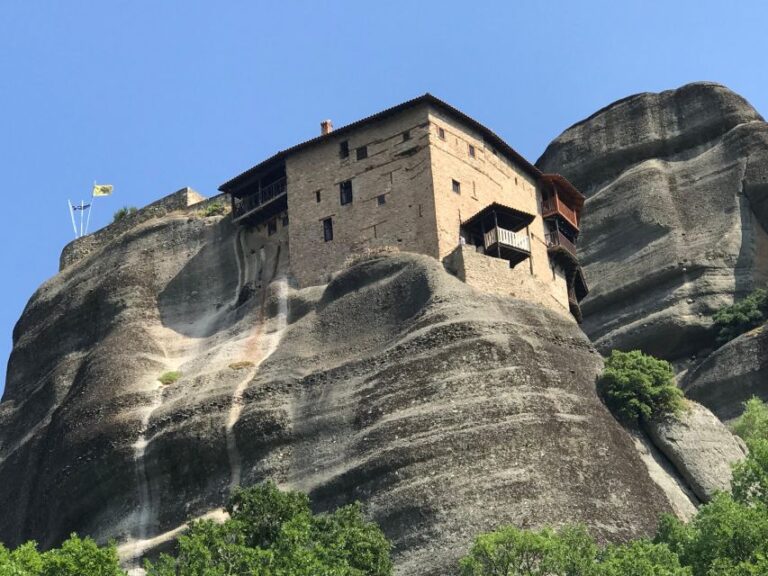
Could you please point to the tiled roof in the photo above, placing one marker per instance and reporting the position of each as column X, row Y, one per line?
column 488, row 135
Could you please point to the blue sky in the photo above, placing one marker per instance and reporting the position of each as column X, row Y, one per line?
column 155, row 95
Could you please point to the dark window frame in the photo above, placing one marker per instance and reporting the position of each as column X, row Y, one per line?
column 344, row 149
column 406, row 135
column 327, row 229
column 381, row 199
column 317, row 195
column 455, row 186
column 441, row 132
column 361, row 152
column 346, row 193
column 471, row 151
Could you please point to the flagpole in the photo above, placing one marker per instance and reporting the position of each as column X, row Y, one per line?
column 72, row 214
column 81, row 217
column 88, row 220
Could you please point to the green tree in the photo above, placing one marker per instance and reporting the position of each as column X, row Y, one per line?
column 274, row 533
column 753, row 422
column 636, row 386
column 742, row 316
column 640, row 558
column 76, row 557
column 725, row 537
column 514, row 552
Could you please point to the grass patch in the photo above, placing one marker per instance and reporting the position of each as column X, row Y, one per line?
column 241, row 365
column 169, row 377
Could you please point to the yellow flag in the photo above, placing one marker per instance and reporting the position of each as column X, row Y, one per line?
column 102, row 190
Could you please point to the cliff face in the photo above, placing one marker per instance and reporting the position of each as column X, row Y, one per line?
column 675, row 218
column 447, row 412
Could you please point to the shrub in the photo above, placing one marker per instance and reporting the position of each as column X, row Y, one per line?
column 214, row 209
column 169, row 377
column 636, row 386
column 640, row 558
column 124, row 212
column 274, row 532
column 742, row 316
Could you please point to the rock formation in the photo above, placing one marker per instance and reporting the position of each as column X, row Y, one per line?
column 445, row 411
column 675, row 218
column 731, row 375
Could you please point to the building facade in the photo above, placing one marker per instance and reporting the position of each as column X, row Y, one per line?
column 421, row 177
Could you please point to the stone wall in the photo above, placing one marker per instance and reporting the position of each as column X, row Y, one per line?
column 488, row 177
column 396, row 168
column 493, row 275
column 180, row 200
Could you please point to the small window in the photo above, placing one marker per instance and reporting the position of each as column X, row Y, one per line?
column 345, row 192
column 456, row 186
column 317, row 195
column 328, row 229
column 381, row 199
column 285, row 220
column 271, row 227
column 441, row 133
column 362, row 153
column 471, row 151
column 344, row 149
column 406, row 135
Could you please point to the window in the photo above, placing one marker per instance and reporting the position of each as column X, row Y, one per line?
column 271, row 227
column 317, row 195
column 362, row 152
column 471, row 151
column 441, row 133
column 344, row 149
column 328, row 229
column 456, row 186
column 381, row 199
column 285, row 220
column 345, row 192
column 406, row 135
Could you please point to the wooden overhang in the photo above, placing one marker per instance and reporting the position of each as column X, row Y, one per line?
column 498, row 214
column 262, row 195
column 561, row 184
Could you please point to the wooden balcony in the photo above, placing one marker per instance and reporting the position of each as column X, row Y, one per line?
column 554, row 205
column 557, row 238
column 512, row 246
column 262, row 204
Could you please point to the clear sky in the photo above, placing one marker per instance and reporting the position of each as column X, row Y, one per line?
column 155, row 95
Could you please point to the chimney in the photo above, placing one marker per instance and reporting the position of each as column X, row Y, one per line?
column 326, row 127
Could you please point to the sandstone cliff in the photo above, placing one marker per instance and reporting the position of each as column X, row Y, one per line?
column 445, row 411
column 676, row 214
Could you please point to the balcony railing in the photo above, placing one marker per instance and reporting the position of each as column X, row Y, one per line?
column 508, row 238
column 553, row 205
column 263, row 196
column 557, row 238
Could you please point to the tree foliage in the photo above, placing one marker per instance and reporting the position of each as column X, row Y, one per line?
column 637, row 386
column 753, row 422
column 76, row 557
column 274, row 533
column 742, row 316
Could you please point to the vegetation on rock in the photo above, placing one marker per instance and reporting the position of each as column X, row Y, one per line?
column 76, row 557
column 124, row 212
column 742, row 316
column 214, row 209
column 169, row 377
column 636, row 386
column 274, row 533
